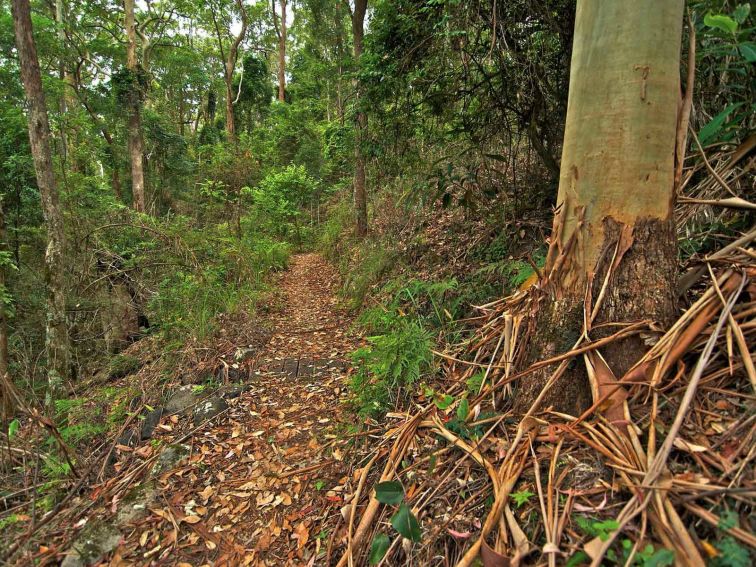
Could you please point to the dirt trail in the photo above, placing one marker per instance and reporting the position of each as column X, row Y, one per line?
column 263, row 483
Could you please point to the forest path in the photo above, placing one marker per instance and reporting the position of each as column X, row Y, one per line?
column 263, row 484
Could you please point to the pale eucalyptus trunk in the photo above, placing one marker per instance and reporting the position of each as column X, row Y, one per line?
column 56, row 336
column 616, row 182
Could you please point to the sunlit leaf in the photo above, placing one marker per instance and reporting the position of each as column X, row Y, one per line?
column 443, row 402
column 13, row 428
column 722, row 22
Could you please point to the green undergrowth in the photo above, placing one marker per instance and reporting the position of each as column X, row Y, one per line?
column 402, row 330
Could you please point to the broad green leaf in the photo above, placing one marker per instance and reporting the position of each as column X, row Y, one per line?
column 389, row 492
column 741, row 12
column 443, row 402
column 379, row 547
column 710, row 131
column 13, row 427
column 748, row 51
column 722, row 22
column 463, row 410
column 406, row 524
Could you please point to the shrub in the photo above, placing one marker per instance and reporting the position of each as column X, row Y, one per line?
column 389, row 365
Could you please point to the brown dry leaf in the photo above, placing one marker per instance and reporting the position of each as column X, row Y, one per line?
column 192, row 519
column 144, row 452
column 302, row 534
column 207, row 493
column 684, row 445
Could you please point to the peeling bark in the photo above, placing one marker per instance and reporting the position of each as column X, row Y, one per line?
column 616, row 192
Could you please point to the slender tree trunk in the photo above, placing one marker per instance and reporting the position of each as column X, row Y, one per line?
column 134, row 123
column 181, row 110
column 360, row 125
column 229, row 65
column 6, row 402
column 230, row 122
column 615, row 229
column 57, row 342
column 59, row 20
column 282, row 55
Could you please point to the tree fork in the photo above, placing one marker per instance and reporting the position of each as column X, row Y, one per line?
column 614, row 225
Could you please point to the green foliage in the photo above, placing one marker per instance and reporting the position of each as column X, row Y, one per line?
column 279, row 199
column 390, row 492
column 372, row 262
column 405, row 522
column 645, row 556
column 9, row 521
column 522, row 497
column 13, row 428
column 122, row 365
column 378, row 548
column 731, row 554
column 725, row 50
column 514, row 272
column 130, row 87
column 390, row 365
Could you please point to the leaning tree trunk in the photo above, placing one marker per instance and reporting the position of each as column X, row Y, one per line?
column 614, row 230
column 57, row 342
column 134, row 123
column 360, row 126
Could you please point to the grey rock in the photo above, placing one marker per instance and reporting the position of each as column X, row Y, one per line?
column 150, row 422
column 180, row 400
column 95, row 541
column 136, row 503
column 171, row 456
column 243, row 354
column 232, row 391
column 232, row 373
column 128, row 438
column 209, row 408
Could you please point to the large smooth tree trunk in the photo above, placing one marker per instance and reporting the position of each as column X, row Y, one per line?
column 360, row 125
column 614, row 229
column 57, row 342
column 134, row 123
